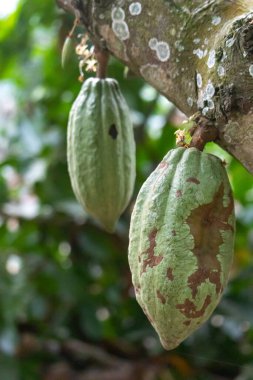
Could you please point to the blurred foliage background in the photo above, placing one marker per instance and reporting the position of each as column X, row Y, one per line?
column 67, row 306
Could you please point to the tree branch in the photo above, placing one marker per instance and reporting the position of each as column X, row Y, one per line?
column 199, row 54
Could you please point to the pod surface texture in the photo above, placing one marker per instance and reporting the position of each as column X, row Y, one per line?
column 101, row 150
column 182, row 242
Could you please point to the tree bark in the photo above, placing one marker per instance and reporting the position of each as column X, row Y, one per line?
column 199, row 54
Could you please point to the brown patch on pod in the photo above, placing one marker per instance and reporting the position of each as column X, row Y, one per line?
column 161, row 297
column 170, row 275
column 188, row 308
column 152, row 260
column 138, row 289
column 206, row 223
column 179, row 193
column 193, row 180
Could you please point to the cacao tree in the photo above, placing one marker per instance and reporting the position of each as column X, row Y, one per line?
column 198, row 55
column 67, row 304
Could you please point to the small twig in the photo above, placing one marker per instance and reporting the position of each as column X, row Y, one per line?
column 76, row 22
column 85, row 351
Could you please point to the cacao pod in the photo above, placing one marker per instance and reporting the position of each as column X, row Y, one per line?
column 101, row 150
column 181, row 242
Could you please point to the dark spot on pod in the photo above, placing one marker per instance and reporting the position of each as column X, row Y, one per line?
column 170, row 274
column 161, row 297
column 113, row 132
column 174, row 233
column 187, row 323
column 137, row 289
column 179, row 193
column 193, row 180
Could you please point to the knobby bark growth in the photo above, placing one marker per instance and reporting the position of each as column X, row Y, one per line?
column 199, row 54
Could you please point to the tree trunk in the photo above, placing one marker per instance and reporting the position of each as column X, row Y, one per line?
column 199, row 54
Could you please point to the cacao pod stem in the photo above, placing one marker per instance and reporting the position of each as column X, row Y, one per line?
column 202, row 132
column 102, row 57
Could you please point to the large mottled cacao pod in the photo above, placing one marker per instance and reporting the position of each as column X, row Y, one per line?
column 181, row 242
column 101, row 150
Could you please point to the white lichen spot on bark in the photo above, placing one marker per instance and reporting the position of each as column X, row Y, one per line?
column 205, row 111
column 190, row 101
column 251, row 70
column 118, row 14
column 196, row 41
column 210, row 104
column 179, row 46
column 199, row 80
column 224, row 56
column 199, row 53
column 216, row 20
column 153, row 43
column 121, row 30
column 211, row 59
column 135, row 8
column 200, row 103
column 230, row 42
column 210, row 90
column 221, row 71
column 162, row 51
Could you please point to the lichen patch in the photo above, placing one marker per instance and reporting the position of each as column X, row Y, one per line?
column 121, row 30
column 199, row 80
column 162, row 51
column 216, row 20
column 153, row 43
column 190, row 101
column 118, row 14
column 135, row 8
column 211, row 59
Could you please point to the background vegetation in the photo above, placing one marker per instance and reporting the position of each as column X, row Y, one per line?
column 67, row 307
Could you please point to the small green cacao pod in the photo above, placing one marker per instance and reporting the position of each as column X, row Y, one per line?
column 101, row 150
column 182, row 242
